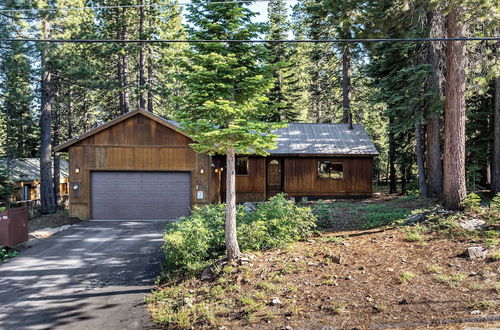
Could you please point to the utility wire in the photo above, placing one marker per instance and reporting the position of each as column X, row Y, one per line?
column 375, row 40
column 52, row 9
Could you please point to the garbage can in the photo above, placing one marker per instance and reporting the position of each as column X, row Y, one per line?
column 14, row 226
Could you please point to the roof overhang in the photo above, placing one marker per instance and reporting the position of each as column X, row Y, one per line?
column 64, row 147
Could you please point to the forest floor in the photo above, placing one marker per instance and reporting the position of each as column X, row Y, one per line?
column 389, row 276
column 51, row 221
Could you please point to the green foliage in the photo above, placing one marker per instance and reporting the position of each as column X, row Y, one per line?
column 5, row 254
column 471, row 202
column 377, row 215
column 495, row 203
column 323, row 212
column 226, row 84
column 6, row 187
column 195, row 241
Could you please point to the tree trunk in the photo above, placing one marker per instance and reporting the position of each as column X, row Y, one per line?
column 454, row 185
column 233, row 249
column 150, row 79
column 123, row 66
column 495, row 171
column 392, row 164
column 420, row 152
column 142, row 62
column 70, row 114
column 346, row 86
column 57, row 159
column 48, row 204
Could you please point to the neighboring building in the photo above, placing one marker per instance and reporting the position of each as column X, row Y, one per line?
column 140, row 166
column 25, row 173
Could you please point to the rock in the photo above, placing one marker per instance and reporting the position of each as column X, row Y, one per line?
column 348, row 277
column 243, row 260
column 47, row 232
column 403, row 301
column 472, row 224
column 475, row 312
column 311, row 263
column 276, row 302
column 391, row 270
column 286, row 328
column 476, row 252
column 473, row 274
column 249, row 207
column 362, row 268
column 415, row 218
column 188, row 301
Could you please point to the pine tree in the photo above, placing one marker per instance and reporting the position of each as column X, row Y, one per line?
column 226, row 85
column 279, row 56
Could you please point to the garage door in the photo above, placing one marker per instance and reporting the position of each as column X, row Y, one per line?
column 140, row 195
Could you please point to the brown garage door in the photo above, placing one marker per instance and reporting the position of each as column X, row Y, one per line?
column 140, row 195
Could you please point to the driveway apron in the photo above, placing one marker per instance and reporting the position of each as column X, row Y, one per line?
column 94, row 275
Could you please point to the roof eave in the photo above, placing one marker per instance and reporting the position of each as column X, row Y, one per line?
column 64, row 146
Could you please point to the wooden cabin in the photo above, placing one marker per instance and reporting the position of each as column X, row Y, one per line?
column 25, row 175
column 140, row 166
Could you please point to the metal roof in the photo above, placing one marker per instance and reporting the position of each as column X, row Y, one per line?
column 320, row 139
column 28, row 169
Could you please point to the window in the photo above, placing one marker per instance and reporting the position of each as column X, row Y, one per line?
column 328, row 169
column 242, row 166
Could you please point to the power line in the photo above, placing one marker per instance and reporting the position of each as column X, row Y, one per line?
column 28, row 10
column 374, row 40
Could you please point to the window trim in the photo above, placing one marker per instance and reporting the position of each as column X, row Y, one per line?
column 247, row 163
column 332, row 162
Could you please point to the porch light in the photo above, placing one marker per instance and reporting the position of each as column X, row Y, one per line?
column 202, row 170
column 77, row 170
column 75, row 187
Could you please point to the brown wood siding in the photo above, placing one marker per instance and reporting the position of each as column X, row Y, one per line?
column 301, row 178
column 136, row 145
column 250, row 187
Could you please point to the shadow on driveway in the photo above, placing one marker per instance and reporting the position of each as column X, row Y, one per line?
column 92, row 276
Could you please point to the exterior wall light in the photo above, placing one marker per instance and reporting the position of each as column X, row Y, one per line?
column 202, row 171
column 75, row 187
column 77, row 170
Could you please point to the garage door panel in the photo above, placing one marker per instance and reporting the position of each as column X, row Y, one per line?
column 140, row 195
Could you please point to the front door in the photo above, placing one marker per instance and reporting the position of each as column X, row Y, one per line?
column 274, row 177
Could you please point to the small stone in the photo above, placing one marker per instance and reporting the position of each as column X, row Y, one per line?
column 286, row 328
column 369, row 299
column 475, row 312
column 473, row 274
column 348, row 277
column 415, row 218
column 188, row 302
column 404, row 301
column 276, row 302
column 311, row 263
column 362, row 268
column 391, row 270
column 476, row 252
column 472, row 224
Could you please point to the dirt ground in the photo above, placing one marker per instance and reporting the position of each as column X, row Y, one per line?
column 51, row 221
column 349, row 279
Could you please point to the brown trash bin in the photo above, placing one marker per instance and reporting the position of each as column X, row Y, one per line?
column 14, row 226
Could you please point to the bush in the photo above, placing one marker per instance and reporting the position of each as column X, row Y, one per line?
column 4, row 254
column 495, row 203
column 472, row 202
column 197, row 240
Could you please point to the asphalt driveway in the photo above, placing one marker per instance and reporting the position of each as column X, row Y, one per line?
column 92, row 276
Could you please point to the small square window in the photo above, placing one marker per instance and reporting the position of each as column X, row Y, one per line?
column 328, row 169
column 242, row 166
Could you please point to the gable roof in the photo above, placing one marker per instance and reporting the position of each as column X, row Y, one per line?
column 295, row 139
column 323, row 139
column 28, row 169
column 168, row 123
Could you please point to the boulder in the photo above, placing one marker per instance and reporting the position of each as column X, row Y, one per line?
column 476, row 252
column 472, row 224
